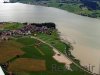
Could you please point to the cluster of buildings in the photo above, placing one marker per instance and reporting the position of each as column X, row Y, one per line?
column 28, row 29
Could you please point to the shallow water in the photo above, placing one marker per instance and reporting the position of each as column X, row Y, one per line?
column 83, row 32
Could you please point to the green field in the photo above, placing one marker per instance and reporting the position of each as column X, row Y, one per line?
column 55, row 41
column 28, row 46
column 32, row 52
column 12, row 26
column 32, row 49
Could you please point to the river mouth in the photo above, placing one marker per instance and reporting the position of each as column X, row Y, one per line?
column 83, row 32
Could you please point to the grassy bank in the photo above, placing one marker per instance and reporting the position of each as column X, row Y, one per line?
column 76, row 8
column 55, row 41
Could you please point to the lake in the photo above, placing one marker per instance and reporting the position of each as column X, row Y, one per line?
column 82, row 32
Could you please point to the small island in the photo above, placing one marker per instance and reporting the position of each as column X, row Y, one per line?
column 35, row 49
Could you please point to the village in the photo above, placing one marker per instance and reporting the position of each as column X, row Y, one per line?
column 28, row 29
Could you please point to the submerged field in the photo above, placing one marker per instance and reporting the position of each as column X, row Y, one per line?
column 25, row 55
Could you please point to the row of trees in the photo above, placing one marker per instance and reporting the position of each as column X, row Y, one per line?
column 48, row 25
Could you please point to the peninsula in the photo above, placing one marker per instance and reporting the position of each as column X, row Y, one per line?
column 35, row 48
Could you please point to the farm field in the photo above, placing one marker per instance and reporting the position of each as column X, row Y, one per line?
column 24, row 55
column 9, row 50
column 28, row 51
column 34, row 54
column 29, row 65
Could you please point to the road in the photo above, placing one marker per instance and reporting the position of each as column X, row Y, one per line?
column 69, row 61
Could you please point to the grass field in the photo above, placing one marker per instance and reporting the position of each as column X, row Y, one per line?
column 1, row 26
column 32, row 52
column 12, row 26
column 31, row 60
column 28, row 66
column 9, row 50
column 55, row 41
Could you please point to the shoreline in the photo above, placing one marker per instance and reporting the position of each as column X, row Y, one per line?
column 70, row 34
column 72, row 43
column 82, row 63
column 66, row 57
column 48, row 5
